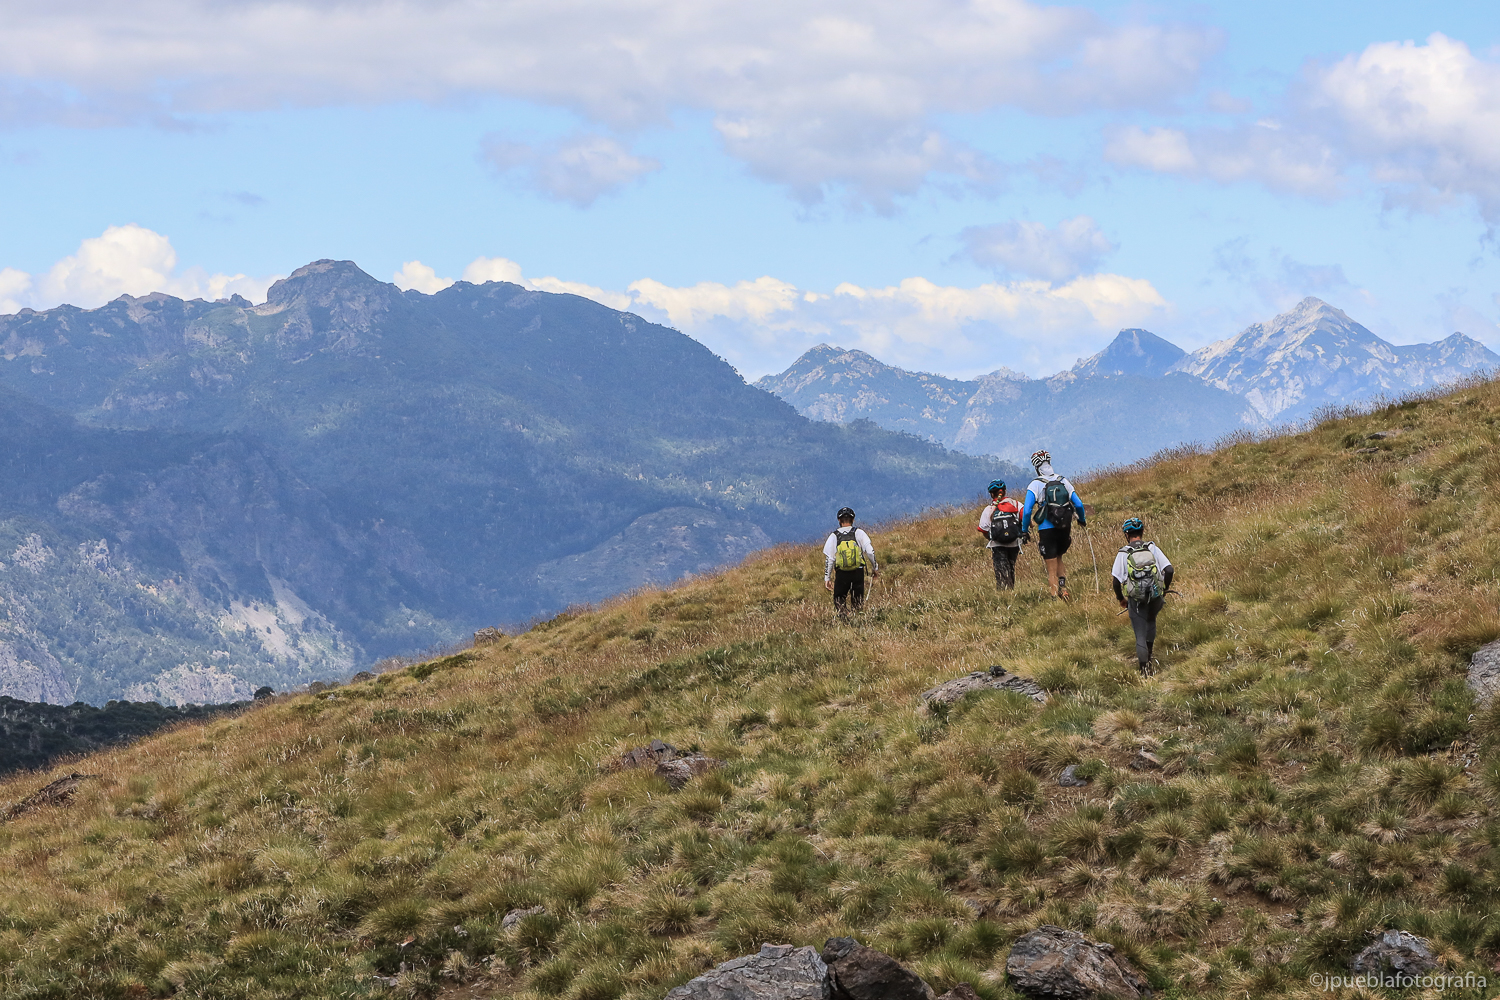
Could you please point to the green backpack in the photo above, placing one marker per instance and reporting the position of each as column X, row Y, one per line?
column 1142, row 575
column 847, row 555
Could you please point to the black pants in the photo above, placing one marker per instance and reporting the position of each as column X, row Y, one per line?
column 848, row 590
column 1143, row 620
column 1005, row 558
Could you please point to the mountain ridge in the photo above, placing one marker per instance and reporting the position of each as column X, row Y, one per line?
column 1274, row 372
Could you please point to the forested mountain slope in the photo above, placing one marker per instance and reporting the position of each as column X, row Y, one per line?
column 434, row 464
column 1321, row 771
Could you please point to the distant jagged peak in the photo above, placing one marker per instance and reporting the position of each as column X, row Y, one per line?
column 1132, row 352
column 1004, row 374
column 324, row 280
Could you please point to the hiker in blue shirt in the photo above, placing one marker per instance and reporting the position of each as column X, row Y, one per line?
column 1051, row 503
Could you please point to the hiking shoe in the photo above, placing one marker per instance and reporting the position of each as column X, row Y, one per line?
column 1062, row 589
column 1146, row 669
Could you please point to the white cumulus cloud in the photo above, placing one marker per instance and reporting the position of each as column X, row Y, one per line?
column 760, row 325
column 1420, row 122
column 123, row 260
column 1032, row 249
column 819, row 96
column 576, row 169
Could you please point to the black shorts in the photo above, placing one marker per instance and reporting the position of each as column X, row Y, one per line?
column 1053, row 542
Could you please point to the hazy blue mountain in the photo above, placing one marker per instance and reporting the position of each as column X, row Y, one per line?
column 430, row 464
column 1132, row 352
column 162, row 567
column 1115, row 406
column 1315, row 355
column 1137, row 396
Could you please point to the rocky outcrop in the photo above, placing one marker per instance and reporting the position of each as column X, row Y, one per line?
column 668, row 764
column 1399, row 952
column 1484, row 672
column 857, row 972
column 58, row 793
column 1053, row 962
column 996, row 678
column 488, row 636
column 514, row 917
column 777, row 972
column 1070, row 778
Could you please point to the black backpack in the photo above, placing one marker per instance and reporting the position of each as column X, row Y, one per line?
column 1057, row 503
column 1005, row 526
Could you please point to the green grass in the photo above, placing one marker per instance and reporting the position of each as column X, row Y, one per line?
column 1324, row 771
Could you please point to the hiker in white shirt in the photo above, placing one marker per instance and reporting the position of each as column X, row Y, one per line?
column 846, row 555
column 1142, row 575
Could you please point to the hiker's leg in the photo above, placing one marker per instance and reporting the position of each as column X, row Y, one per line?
column 1140, row 625
column 1005, row 567
column 856, row 589
column 1152, row 610
column 1054, row 570
column 841, row 584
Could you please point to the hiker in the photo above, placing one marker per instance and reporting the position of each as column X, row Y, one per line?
column 1000, row 522
column 1051, row 502
column 846, row 554
column 1142, row 575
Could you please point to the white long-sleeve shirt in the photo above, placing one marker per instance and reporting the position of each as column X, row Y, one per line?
column 830, row 549
column 1162, row 562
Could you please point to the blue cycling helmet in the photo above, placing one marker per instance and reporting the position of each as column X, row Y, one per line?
column 997, row 484
column 1133, row 526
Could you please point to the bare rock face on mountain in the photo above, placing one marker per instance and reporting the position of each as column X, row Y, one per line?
column 1314, row 355
column 777, row 972
column 1056, row 963
column 857, row 972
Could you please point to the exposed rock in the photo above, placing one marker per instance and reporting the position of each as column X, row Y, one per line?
column 58, row 793
column 361, row 677
column 488, row 636
column 1145, row 760
column 318, row 687
column 1484, row 672
column 996, row 678
column 1053, row 962
column 663, row 759
column 963, row 991
column 1071, row 778
column 1399, row 952
column 778, row 972
column 516, row 916
column 857, row 972
column 264, row 691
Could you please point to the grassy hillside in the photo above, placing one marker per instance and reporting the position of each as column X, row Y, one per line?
column 1325, row 772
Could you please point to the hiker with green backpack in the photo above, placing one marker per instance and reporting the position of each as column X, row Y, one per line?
column 846, row 555
column 1051, row 503
column 1000, row 523
column 1142, row 575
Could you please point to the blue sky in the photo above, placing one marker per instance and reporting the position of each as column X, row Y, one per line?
column 951, row 185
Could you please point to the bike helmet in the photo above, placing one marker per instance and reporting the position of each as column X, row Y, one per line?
column 1133, row 526
column 846, row 512
column 997, row 484
column 1039, row 458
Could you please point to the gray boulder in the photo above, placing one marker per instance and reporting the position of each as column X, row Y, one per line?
column 1484, row 672
column 1070, row 777
column 856, row 972
column 663, row 758
column 1399, row 952
column 996, row 678
column 1053, row 962
column 514, row 917
column 778, row 972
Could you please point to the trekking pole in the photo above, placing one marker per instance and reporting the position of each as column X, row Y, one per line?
column 1090, row 536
